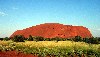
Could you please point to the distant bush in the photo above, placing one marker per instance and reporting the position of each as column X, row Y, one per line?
column 56, row 39
column 99, row 40
column 92, row 40
column 18, row 38
column 86, row 40
column 77, row 38
column 47, row 39
column 38, row 38
column 30, row 38
column 1, row 38
column 6, row 39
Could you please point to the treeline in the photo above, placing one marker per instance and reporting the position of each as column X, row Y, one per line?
column 5, row 39
column 21, row 38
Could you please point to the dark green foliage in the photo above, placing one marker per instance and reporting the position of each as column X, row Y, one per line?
column 90, row 52
column 47, row 39
column 99, row 40
column 30, row 38
column 92, row 40
column 25, row 38
column 18, row 38
column 54, row 39
column 57, row 39
column 6, row 39
column 1, row 38
column 38, row 38
column 77, row 38
column 86, row 40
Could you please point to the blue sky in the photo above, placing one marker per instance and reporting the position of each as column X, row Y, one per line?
column 20, row 14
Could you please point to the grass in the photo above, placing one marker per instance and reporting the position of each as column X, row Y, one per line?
column 58, row 44
column 44, row 48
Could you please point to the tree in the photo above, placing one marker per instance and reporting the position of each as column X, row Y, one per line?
column 1, row 38
column 47, row 39
column 57, row 39
column 94, row 40
column 86, row 40
column 99, row 39
column 39, row 38
column 30, row 38
column 18, row 38
column 6, row 39
column 77, row 38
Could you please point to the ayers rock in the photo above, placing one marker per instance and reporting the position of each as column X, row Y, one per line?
column 50, row 30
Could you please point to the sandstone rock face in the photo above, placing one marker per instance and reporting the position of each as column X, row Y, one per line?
column 50, row 30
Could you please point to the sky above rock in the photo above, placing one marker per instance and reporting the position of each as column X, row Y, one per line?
column 20, row 14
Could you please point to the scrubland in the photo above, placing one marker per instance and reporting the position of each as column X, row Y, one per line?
column 53, row 48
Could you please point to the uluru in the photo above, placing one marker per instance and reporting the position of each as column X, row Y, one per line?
column 50, row 30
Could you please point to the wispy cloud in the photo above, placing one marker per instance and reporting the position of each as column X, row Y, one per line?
column 3, row 14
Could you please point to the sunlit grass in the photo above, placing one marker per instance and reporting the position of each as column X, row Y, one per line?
column 52, row 47
column 51, row 44
column 5, row 42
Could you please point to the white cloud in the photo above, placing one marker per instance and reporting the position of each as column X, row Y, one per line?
column 3, row 14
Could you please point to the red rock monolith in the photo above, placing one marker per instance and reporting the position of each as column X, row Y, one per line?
column 50, row 30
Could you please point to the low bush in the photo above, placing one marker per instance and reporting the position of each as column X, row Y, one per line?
column 58, row 50
column 6, row 39
column 38, row 38
column 1, row 39
column 30, row 38
column 77, row 38
column 18, row 38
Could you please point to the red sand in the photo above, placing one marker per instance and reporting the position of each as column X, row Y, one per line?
column 15, row 54
column 18, row 54
column 50, row 30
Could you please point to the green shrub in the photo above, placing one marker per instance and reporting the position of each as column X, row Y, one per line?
column 77, row 38
column 91, row 40
column 30, row 38
column 1, row 39
column 86, row 40
column 38, row 38
column 47, row 39
column 57, row 39
column 6, row 39
column 94, row 40
column 18, row 38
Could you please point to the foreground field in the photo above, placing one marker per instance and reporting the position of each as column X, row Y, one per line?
column 15, row 54
column 53, row 48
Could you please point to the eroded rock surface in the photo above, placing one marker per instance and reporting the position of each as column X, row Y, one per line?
column 50, row 30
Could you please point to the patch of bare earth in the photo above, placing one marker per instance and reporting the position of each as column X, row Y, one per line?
column 15, row 54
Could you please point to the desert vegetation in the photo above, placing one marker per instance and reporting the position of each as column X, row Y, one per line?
column 56, row 47
column 21, row 38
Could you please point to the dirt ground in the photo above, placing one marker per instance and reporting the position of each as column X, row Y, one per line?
column 15, row 54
